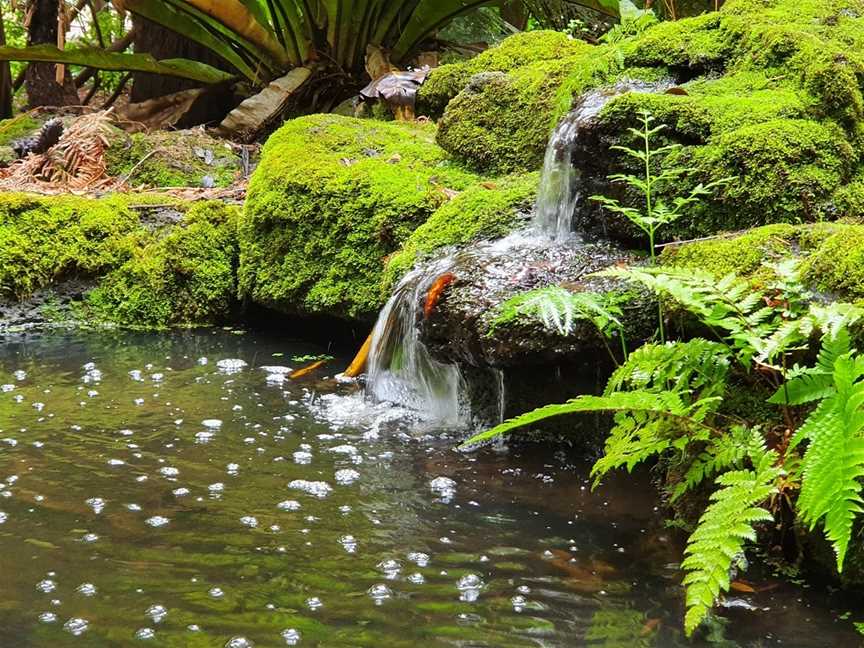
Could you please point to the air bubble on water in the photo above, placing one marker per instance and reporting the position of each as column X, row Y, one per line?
column 157, row 613
column 193, row 627
column 6, row 388
column 114, row 463
column 419, row 558
column 275, row 379
column 86, row 589
column 180, row 492
column 232, row 468
column 145, row 634
column 317, row 488
column 48, row 617
column 216, row 488
column 314, row 603
column 46, row 586
column 135, row 374
column 92, row 393
column 390, row 568
column 216, row 593
column 89, row 538
column 204, row 437
column 519, row 602
column 249, row 521
column 345, row 449
column 76, row 626
column 469, row 587
column 38, row 406
column 138, row 401
column 212, row 423
column 379, row 593
column 239, row 642
column 231, row 365
column 157, row 521
column 133, row 507
column 288, row 505
column 202, row 361
column 349, row 543
column 19, row 375
column 302, row 457
column 345, row 509
column 443, row 487
column 417, row 578
column 277, row 370
column 169, row 471
column 97, row 504
column 346, row 476
column 157, row 377
column 291, row 637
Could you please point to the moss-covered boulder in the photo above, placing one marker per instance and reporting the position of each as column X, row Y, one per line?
column 487, row 210
column 116, row 259
column 44, row 239
column 332, row 199
column 526, row 48
column 185, row 275
column 14, row 129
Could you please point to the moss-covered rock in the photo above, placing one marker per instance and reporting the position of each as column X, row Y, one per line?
column 185, row 275
column 519, row 50
column 837, row 265
column 485, row 211
column 332, row 198
column 14, row 129
column 44, row 239
column 173, row 159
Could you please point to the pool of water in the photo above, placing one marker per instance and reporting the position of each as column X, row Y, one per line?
column 152, row 493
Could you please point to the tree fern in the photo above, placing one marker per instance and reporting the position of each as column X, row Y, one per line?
column 724, row 528
column 833, row 464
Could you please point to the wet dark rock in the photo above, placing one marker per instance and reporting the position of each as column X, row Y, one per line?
column 54, row 305
column 462, row 328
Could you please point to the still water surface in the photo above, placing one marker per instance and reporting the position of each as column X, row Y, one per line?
column 152, row 493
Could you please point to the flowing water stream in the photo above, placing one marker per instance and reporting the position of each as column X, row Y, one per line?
column 177, row 490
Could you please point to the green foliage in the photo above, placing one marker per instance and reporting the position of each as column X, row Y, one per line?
column 723, row 530
column 666, row 400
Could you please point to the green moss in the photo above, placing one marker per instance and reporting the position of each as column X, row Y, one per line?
column 693, row 43
column 173, row 159
column 332, row 198
column 485, row 211
column 185, row 276
column 44, row 238
column 848, row 199
column 743, row 254
column 837, row 265
column 519, row 50
column 501, row 122
column 784, row 170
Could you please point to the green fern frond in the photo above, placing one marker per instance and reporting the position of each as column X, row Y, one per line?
column 697, row 367
column 834, row 462
column 558, row 309
column 723, row 530
column 664, row 404
column 722, row 453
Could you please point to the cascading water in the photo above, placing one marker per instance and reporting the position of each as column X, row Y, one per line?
column 558, row 196
column 401, row 369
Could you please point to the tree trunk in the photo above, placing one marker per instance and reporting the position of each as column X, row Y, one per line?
column 5, row 79
column 42, row 86
column 515, row 12
column 162, row 44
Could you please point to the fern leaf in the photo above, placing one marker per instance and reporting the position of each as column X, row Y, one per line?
column 723, row 530
column 723, row 453
column 834, row 462
column 664, row 404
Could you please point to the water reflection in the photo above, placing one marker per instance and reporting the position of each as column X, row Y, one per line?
column 310, row 517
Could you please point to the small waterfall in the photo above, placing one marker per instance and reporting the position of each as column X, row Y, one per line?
column 559, row 195
column 401, row 370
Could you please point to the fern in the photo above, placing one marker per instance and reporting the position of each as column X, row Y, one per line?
column 667, row 405
column 558, row 310
column 695, row 367
column 815, row 383
column 725, row 526
column 722, row 453
column 834, row 462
